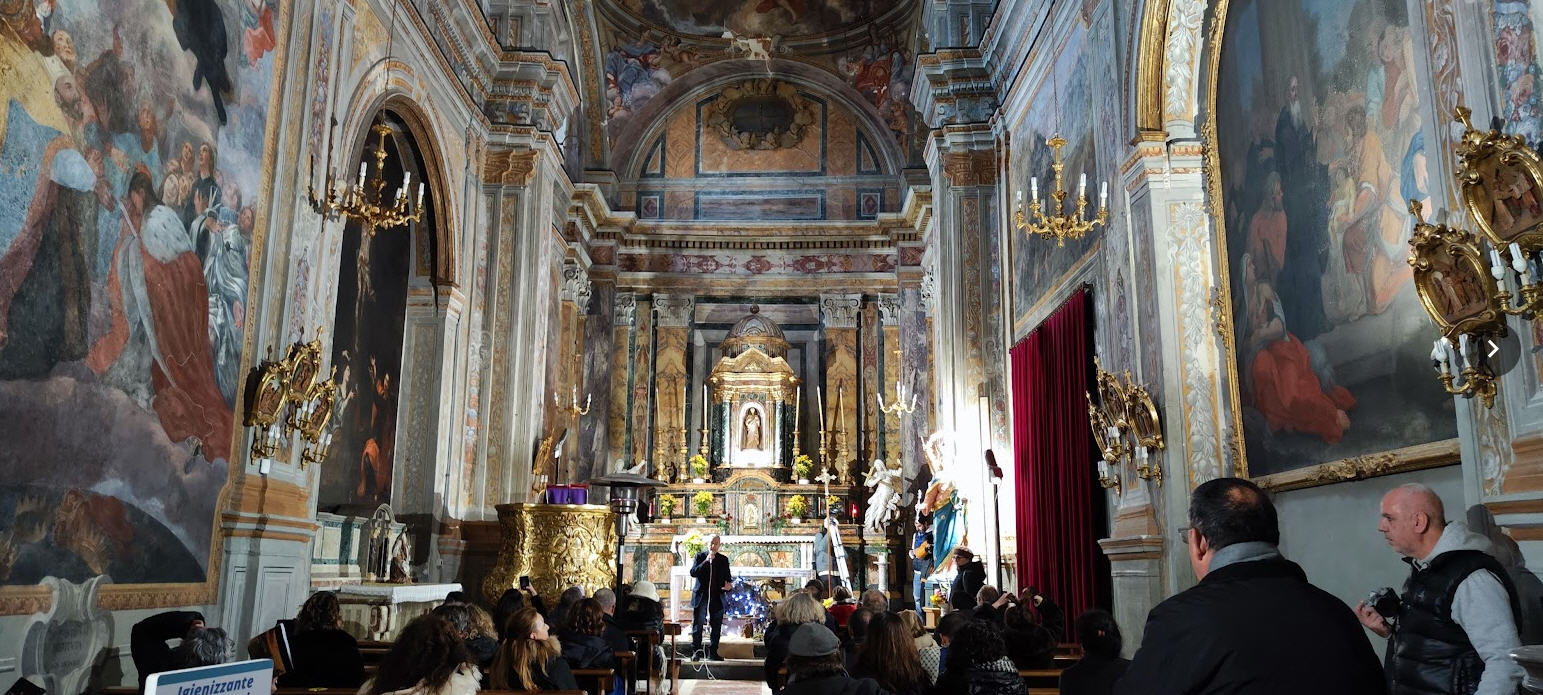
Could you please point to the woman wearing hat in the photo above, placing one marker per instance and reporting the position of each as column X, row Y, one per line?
column 816, row 666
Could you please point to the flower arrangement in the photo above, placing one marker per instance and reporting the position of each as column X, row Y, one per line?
column 702, row 503
column 833, row 503
column 693, row 543
column 724, row 521
column 802, row 465
column 698, row 466
column 667, row 505
column 937, row 599
column 797, row 506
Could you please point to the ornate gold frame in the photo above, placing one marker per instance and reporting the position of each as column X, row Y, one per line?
column 304, row 363
column 719, row 114
column 1429, row 241
column 271, row 394
column 1412, row 458
column 1478, row 151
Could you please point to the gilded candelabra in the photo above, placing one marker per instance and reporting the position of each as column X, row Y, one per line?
column 572, row 408
column 1059, row 225
column 290, row 398
column 363, row 201
column 898, row 407
column 1125, row 425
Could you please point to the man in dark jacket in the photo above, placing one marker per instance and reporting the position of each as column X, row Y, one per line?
column 147, row 641
column 970, row 578
column 1253, row 624
column 711, row 571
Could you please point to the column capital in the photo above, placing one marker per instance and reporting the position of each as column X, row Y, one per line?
column 889, row 309
column 624, row 311
column 576, row 286
column 840, row 310
column 674, row 310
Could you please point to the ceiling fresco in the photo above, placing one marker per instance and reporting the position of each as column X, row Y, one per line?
column 784, row 18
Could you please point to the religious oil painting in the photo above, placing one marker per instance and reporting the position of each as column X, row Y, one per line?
column 131, row 158
column 367, row 345
column 1318, row 134
column 786, row 18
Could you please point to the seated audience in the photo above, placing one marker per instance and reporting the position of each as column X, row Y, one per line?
column 815, row 666
column 815, row 588
column 1050, row 614
column 530, row 658
column 927, row 648
column 614, row 634
column 990, row 603
column 483, row 639
column 460, row 617
column 513, row 600
column 324, row 655
column 843, row 607
column 857, row 630
column 948, row 626
column 1101, row 665
column 1253, row 624
column 1029, row 644
column 457, row 598
column 799, row 609
column 428, row 658
column 642, row 609
column 148, row 637
column 583, row 637
column 875, row 600
column 978, row 664
column 559, row 613
column 888, row 655
column 203, row 646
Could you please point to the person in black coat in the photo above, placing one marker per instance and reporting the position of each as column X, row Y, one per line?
column 583, row 638
column 815, row 666
column 147, row 641
column 977, row 663
column 971, row 576
column 324, row 655
column 1100, row 666
column 1253, row 624
column 711, row 571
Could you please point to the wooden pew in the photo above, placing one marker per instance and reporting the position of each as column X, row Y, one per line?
column 1041, row 678
column 644, row 642
column 673, row 630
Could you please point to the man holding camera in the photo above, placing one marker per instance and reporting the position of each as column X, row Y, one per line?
column 1453, row 627
column 1253, row 624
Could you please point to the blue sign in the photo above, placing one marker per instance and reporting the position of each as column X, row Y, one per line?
column 253, row 677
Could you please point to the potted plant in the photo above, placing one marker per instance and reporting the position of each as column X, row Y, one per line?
column 702, row 504
column 802, row 464
column 797, row 508
column 667, row 505
column 724, row 521
column 698, row 469
column 833, row 505
column 692, row 544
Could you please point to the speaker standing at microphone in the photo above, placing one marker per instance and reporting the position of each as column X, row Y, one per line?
column 711, row 571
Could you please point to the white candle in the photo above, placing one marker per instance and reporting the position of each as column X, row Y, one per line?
column 1437, row 354
column 407, row 176
column 1103, row 469
column 1034, row 188
column 363, row 167
column 1496, row 264
column 1082, row 185
column 798, row 398
column 1103, row 195
column 1018, row 197
column 704, row 406
column 420, row 194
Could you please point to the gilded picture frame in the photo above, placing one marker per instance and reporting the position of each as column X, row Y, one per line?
column 1453, row 281
column 1403, row 459
column 269, row 394
column 1500, row 181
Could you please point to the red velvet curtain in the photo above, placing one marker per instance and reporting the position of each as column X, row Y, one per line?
column 1059, row 514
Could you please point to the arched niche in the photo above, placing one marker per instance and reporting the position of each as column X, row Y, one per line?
column 369, row 322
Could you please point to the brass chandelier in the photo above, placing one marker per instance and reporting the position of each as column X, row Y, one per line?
column 364, row 201
column 1060, row 225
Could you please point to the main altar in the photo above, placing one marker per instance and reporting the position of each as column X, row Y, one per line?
column 784, row 516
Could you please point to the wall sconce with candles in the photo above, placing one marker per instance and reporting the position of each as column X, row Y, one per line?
column 572, row 407
column 289, row 397
column 898, row 407
column 1469, row 283
column 1125, row 424
column 1059, row 225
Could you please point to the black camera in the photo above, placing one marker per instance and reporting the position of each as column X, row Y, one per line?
column 1385, row 601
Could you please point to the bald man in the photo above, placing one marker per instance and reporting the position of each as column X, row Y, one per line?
column 1457, row 616
column 710, row 568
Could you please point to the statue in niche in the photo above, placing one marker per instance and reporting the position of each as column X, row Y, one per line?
column 401, row 561
column 750, row 430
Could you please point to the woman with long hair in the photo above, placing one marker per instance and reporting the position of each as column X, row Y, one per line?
column 324, row 655
column 530, row 658
column 977, row 663
column 482, row 649
column 888, row 655
column 583, row 637
column 926, row 647
column 1101, row 665
column 428, row 658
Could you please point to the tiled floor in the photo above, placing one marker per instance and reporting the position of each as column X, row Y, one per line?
column 710, row 687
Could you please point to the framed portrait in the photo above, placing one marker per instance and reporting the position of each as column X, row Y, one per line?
column 1314, row 148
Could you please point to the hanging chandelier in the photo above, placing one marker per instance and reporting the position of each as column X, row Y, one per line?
column 365, row 201
column 1060, row 224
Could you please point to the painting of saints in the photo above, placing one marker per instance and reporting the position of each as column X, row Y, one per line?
column 1319, row 149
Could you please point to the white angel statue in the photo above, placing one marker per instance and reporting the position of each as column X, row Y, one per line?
column 884, row 503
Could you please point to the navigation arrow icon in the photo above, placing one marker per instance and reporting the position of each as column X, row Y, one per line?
column 1493, row 348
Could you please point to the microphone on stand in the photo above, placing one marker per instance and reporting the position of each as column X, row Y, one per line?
column 996, row 507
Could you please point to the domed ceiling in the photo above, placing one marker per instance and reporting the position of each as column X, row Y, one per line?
column 788, row 19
